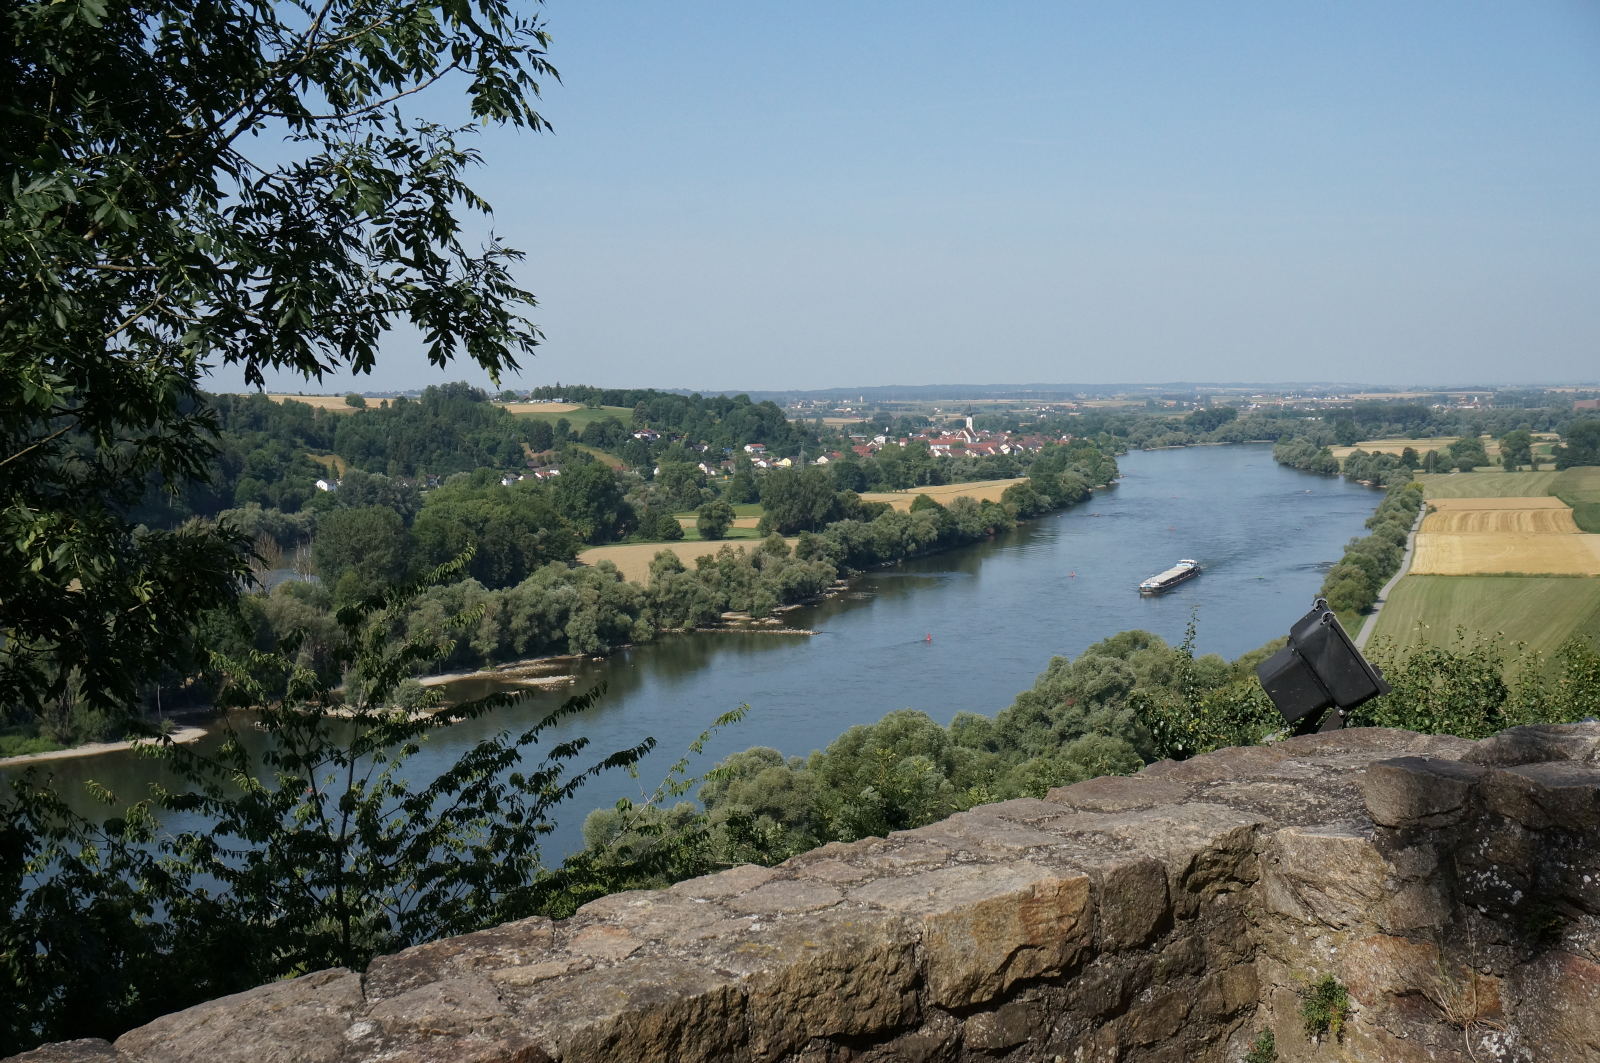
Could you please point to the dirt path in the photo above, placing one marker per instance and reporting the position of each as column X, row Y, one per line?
column 1383, row 593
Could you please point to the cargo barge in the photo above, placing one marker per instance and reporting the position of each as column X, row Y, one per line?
column 1165, row 581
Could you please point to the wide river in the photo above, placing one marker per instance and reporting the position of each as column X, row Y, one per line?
column 960, row 631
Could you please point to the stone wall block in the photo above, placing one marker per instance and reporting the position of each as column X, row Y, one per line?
column 1538, row 743
column 1120, row 793
column 986, row 927
column 1563, row 994
column 1332, row 877
column 509, row 945
column 1409, row 792
column 843, row 974
column 299, row 1021
column 1560, row 794
column 1132, row 902
column 661, row 1008
column 464, row 1014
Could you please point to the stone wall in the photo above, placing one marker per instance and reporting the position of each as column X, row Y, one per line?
column 1450, row 886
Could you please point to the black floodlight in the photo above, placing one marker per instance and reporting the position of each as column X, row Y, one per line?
column 1319, row 669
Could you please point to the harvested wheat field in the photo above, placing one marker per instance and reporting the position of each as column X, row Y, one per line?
column 1500, row 516
column 1395, row 446
column 331, row 403
column 981, row 490
column 1470, row 553
column 633, row 559
column 541, row 407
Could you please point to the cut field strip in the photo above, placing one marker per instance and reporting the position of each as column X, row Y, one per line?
column 1540, row 611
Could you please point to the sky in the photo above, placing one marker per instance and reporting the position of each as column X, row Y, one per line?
column 758, row 196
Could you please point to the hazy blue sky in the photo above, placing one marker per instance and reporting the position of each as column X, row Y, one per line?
column 759, row 195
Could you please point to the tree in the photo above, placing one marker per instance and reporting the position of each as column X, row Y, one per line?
column 1580, row 444
column 134, row 921
column 1467, row 453
column 714, row 519
column 368, row 542
column 1516, row 449
column 355, row 401
column 193, row 185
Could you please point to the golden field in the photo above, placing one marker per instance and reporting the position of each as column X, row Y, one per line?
column 541, row 407
column 332, row 403
column 1500, row 516
column 633, row 559
column 1396, row 446
column 1474, row 536
column 981, row 490
column 1465, row 554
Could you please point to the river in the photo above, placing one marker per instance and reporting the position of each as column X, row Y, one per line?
column 960, row 631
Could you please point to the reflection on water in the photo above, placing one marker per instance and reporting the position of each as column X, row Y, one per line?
column 995, row 612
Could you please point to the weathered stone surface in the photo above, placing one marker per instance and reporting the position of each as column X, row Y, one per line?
column 1537, row 743
column 1560, row 794
column 984, row 928
column 1132, row 901
column 798, row 976
column 510, row 945
column 300, row 1021
column 1332, row 877
column 1418, row 792
column 1119, row 793
column 660, row 1009
column 1566, row 1019
column 1006, row 1027
column 462, row 1014
column 787, row 896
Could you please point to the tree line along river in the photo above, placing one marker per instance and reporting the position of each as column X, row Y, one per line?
column 959, row 631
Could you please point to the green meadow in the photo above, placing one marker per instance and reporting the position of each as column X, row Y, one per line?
column 1539, row 611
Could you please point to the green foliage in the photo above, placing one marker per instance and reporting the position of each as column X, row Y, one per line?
column 1304, row 454
column 1352, row 585
column 1478, row 685
column 713, row 520
column 1264, row 1049
column 148, row 230
column 355, row 401
column 1516, row 449
column 318, row 853
column 1324, row 1009
column 1580, row 444
column 452, row 428
column 796, row 499
column 1467, row 453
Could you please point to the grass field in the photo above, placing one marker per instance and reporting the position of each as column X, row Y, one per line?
column 602, row 456
column 633, row 559
column 1486, row 484
column 1542, row 612
column 331, row 462
column 1580, row 489
column 982, row 490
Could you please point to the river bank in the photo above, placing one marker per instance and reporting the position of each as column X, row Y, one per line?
column 94, row 749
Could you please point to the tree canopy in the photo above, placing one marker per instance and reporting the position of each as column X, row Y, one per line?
column 222, row 183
